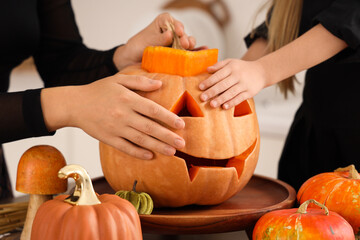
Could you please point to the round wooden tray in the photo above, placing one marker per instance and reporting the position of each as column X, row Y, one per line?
column 260, row 195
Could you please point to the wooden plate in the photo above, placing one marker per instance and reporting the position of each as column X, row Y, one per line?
column 260, row 195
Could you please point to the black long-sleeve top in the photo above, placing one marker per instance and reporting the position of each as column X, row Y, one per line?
column 45, row 30
column 331, row 93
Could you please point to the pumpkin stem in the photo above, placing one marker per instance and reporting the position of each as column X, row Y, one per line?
column 176, row 40
column 353, row 174
column 303, row 207
column 84, row 193
column 134, row 186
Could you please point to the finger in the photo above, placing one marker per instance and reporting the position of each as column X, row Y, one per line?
column 192, row 43
column 184, row 41
column 130, row 148
column 179, row 28
column 163, row 20
column 138, row 82
column 148, row 142
column 165, row 39
column 236, row 100
column 211, row 81
column 155, row 111
column 201, row 48
column 157, row 131
column 227, row 95
column 218, row 65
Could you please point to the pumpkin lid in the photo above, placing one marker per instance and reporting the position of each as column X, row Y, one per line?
column 37, row 171
column 177, row 61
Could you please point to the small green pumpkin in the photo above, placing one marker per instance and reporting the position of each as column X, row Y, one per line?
column 141, row 201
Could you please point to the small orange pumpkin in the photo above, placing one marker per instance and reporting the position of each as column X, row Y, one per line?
column 339, row 191
column 222, row 146
column 303, row 224
column 84, row 215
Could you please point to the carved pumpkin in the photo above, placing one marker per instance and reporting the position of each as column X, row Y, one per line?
column 303, row 223
column 339, row 191
column 84, row 215
column 222, row 146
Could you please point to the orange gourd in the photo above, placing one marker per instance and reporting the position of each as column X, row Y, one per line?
column 302, row 224
column 339, row 191
column 222, row 146
column 84, row 215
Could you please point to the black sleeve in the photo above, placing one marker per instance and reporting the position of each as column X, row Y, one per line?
column 61, row 59
column 342, row 19
column 21, row 116
column 260, row 32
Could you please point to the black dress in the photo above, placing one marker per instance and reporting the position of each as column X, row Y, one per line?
column 325, row 133
column 45, row 30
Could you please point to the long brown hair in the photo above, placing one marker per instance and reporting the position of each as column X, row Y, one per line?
column 283, row 28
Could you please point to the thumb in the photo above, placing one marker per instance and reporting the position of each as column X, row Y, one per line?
column 137, row 82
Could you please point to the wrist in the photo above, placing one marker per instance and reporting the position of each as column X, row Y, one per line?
column 57, row 104
column 122, row 57
column 262, row 70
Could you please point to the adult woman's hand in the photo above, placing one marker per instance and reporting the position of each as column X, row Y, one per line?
column 111, row 112
column 155, row 34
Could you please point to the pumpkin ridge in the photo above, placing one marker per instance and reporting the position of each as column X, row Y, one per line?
column 320, row 181
column 332, row 190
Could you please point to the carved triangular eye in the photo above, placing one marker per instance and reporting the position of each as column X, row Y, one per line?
column 186, row 106
column 242, row 109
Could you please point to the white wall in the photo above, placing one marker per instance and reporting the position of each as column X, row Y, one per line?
column 104, row 24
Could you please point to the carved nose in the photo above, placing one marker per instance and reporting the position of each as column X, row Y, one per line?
column 186, row 106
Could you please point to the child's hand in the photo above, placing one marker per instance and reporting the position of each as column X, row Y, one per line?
column 233, row 81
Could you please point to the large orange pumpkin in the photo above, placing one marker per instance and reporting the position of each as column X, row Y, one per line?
column 339, row 191
column 303, row 224
column 222, row 146
column 84, row 215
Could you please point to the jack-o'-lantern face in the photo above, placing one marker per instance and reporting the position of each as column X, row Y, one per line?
column 219, row 157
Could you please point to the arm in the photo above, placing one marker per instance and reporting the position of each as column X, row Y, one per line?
column 110, row 112
column 256, row 50
column 106, row 109
column 234, row 80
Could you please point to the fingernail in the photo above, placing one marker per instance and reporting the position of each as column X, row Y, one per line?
column 151, row 81
column 214, row 103
column 179, row 124
column 226, row 106
column 169, row 151
column 201, row 86
column 204, row 97
column 148, row 155
column 179, row 143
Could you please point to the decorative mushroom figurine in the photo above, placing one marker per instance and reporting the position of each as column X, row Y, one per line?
column 37, row 175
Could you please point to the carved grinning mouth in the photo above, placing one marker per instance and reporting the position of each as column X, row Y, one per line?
column 194, row 163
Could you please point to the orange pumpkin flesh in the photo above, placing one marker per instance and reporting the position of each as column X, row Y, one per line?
column 219, row 157
column 339, row 191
